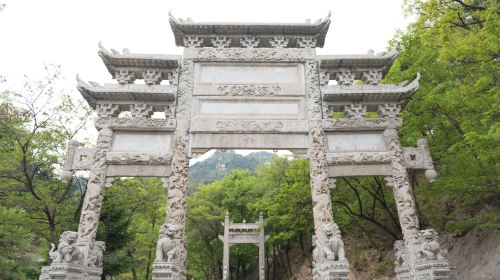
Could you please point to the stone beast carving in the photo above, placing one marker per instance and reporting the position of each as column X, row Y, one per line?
column 334, row 247
column 429, row 249
column 96, row 254
column 67, row 251
column 333, row 250
column 167, row 248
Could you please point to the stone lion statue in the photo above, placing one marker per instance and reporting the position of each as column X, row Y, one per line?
column 167, row 246
column 430, row 249
column 334, row 247
column 96, row 254
column 67, row 251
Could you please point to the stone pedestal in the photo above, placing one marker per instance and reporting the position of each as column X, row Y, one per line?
column 167, row 271
column 331, row 270
column 44, row 275
column 66, row 271
column 94, row 273
column 403, row 273
column 433, row 270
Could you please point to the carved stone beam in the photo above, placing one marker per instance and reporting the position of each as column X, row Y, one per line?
column 420, row 158
column 77, row 159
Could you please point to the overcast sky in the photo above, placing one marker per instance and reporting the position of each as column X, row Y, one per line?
column 65, row 32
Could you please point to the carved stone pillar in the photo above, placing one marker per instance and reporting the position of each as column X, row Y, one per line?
column 327, row 239
column 419, row 255
column 91, row 209
column 171, row 254
column 170, row 262
column 225, row 252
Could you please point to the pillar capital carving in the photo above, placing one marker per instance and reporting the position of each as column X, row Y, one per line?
column 306, row 42
column 372, row 77
column 106, row 110
column 344, row 77
column 390, row 110
column 221, row 42
column 193, row 41
column 355, row 110
column 249, row 42
column 141, row 110
column 124, row 76
column 152, row 77
column 279, row 42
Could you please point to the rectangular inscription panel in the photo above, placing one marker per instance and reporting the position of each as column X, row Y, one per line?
column 355, row 142
column 257, row 79
column 248, row 74
column 251, row 108
column 141, row 142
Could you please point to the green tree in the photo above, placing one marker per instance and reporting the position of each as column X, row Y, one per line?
column 34, row 121
column 15, row 241
column 133, row 212
column 455, row 45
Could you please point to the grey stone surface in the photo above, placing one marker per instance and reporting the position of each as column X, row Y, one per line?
column 249, row 86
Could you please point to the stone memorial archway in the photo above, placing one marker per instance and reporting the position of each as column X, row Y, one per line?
column 248, row 86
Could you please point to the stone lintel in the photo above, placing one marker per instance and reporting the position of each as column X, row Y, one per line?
column 245, row 55
column 361, row 124
column 200, row 142
column 221, row 125
column 136, row 124
column 139, row 170
column 359, row 170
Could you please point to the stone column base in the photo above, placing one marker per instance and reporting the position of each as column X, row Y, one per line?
column 45, row 273
column 63, row 271
column 167, row 271
column 94, row 273
column 433, row 270
column 331, row 270
column 403, row 273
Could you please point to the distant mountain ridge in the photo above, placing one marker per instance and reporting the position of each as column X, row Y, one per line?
column 221, row 164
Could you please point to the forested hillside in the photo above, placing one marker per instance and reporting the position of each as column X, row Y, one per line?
column 221, row 164
column 454, row 44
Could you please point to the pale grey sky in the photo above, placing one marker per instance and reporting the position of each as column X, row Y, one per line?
column 67, row 32
column 34, row 32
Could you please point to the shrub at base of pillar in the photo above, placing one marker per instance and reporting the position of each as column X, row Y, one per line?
column 329, row 259
column 168, row 262
column 431, row 260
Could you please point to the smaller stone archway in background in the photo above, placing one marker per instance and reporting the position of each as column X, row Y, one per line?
column 243, row 233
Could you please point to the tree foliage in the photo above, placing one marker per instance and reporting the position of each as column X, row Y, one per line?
column 455, row 46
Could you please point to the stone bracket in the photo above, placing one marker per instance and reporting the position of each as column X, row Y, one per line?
column 76, row 159
column 419, row 158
